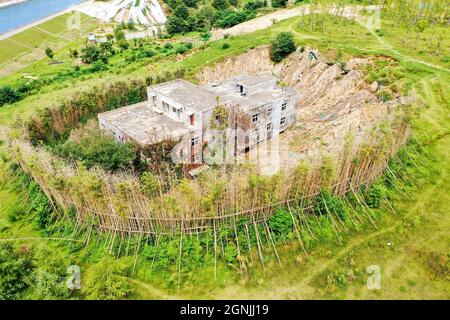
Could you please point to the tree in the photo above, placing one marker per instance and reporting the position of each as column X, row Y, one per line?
column 99, row 150
column 90, row 53
column 150, row 184
column 49, row 52
column 255, row 4
column 181, row 12
column 99, row 65
column 48, row 286
column 233, row 18
column 49, row 276
column 107, row 280
column 119, row 34
column 106, row 48
column 206, row 16
column 220, row 4
column 123, row 44
column 175, row 25
column 191, row 3
column 282, row 46
column 9, row 95
column 73, row 53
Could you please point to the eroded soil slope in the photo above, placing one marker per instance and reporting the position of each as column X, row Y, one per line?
column 335, row 99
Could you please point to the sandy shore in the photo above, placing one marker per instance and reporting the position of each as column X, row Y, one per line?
column 10, row 2
column 37, row 22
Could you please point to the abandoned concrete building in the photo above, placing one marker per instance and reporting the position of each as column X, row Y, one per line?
column 180, row 110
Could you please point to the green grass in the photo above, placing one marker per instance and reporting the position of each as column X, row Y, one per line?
column 417, row 232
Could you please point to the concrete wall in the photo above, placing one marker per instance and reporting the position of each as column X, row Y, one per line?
column 115, row 131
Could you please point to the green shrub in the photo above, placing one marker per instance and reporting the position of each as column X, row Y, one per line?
column 255, row 4
column 375, row 195
column 282, row 46
column 90, row 53
column 145, row 53
column 150, row 184
column 123, row 44
column 326, row 203
column 225, row 46
column 100, row 150
column 220, row 4
column 99, row 66
column 9, row 95
column 49, row 277
column 49, row 286
column 231, row 253
column 229, row 18
column 206, row 16
column 49, row 52
column 14, row 271
column 119, row 35
column 107, row 280
column 166, row 253
column 181, row 49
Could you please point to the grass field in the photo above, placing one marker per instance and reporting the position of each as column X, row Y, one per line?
column 411, row 246
column 53, row 33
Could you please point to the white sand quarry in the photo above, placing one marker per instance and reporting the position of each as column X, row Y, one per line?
column 145, row 12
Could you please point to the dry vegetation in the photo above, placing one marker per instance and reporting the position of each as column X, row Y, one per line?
column 122, row 202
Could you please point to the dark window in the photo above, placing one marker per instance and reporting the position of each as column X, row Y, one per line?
column 269, row 112
column 283, row 121
column 255, row 118
column 194, row 142
column 269, row 127
column 284, row 106
column 195, row 158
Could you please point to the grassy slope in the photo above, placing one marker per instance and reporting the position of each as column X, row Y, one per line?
column 421, row 225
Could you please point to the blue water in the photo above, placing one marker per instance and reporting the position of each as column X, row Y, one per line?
column 20, row 14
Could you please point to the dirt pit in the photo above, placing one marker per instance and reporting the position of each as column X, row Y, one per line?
column 335, row 99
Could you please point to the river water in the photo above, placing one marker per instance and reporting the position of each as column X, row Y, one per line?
column 23, row 13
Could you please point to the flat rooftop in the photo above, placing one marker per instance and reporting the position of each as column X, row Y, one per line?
column 187, row 94
column 226, row 89
column 143, row 125
column 252, row 80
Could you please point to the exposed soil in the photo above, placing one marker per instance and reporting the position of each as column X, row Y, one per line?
column 334, row 99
